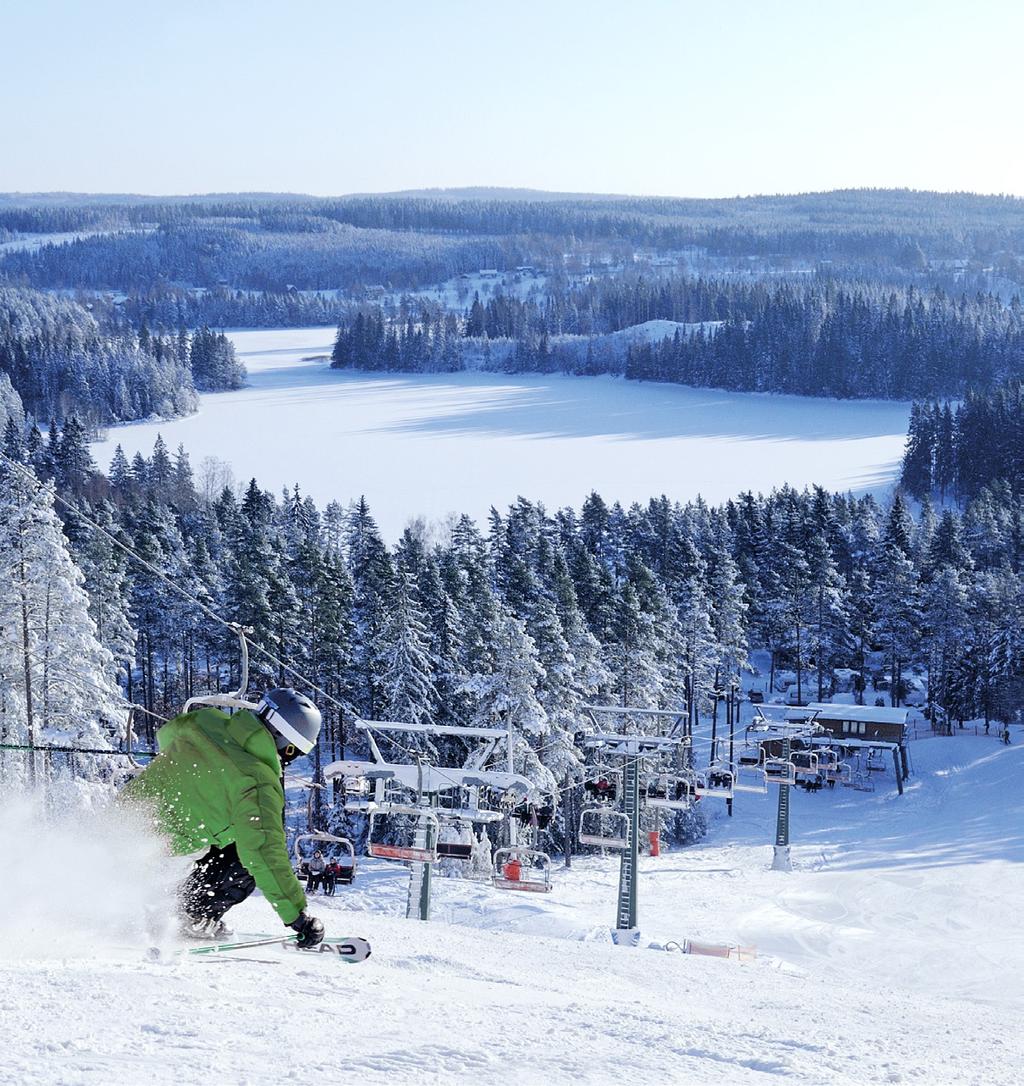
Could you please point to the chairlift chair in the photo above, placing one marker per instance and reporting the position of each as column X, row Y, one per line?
column 806, row 764
column 750, row 778
column 875, row 762
column 525, row 869
column 779, row 771
column 828, row 760
column 672, row 791
column 454, row 850
column 718, row 782
column 603, row 827
column 409, row 849
column 356, row 786
column 345, row 858
column 861, row 782
column 603, row 785
column 538, row 815
column 750, row 755
column 472, row 804
column 842, row 773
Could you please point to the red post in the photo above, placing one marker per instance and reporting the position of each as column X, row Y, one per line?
column 655, row 838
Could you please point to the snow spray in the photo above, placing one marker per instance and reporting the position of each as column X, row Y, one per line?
column 82, row 878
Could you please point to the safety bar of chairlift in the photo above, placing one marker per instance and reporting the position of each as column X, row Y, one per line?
column 236, row 699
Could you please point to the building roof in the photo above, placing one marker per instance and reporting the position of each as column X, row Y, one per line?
column 869, row 714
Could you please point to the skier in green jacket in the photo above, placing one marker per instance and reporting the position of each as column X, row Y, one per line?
column 216, row 787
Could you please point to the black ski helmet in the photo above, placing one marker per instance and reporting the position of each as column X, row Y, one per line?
column 292, row 718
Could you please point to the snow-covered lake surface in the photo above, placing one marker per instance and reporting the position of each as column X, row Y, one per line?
column 433, row 444
column 890, row 954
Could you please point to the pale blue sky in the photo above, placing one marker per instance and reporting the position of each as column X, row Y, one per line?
column 654, row 97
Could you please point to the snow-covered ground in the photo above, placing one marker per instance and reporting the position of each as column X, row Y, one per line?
column 433, row 444
column 890, row 954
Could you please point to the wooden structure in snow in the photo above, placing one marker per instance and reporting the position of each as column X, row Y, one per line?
column 862, row 721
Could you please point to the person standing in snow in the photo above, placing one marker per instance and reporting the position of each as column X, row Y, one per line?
column 216, row 787
column 317, row 867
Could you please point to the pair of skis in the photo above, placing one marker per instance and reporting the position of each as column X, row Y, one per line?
column 349, row 949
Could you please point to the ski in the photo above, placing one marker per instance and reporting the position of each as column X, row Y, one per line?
column 350, row 949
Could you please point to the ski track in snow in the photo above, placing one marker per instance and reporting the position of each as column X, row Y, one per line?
column 433, row 444
column 888, row 955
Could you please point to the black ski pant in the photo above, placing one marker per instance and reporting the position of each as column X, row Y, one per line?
column 216, row 882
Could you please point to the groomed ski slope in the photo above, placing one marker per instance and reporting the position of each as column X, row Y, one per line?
column 428, row 444
column 891, row 954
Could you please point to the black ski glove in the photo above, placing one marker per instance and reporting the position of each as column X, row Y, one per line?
column 311, row 931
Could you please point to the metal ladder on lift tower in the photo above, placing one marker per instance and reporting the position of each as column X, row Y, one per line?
column 626, row 914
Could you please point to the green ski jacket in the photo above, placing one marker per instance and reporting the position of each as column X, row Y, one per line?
column 217, row 780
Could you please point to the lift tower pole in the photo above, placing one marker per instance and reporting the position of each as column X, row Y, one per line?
column 781, row 860
column 626, row 913
column 420, row 874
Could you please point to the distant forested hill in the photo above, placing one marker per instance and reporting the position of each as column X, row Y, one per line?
column 268, row 242
column 879, row 293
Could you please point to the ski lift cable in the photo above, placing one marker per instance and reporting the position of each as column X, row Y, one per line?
column 26, row 473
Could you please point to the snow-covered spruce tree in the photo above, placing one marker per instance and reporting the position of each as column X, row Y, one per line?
column 445, row 627
column 632, row 654
column 829, row 619
column 56, row 678
column 896, row 613
column 107, row 582
column 373, row 580
column 727, row 598
column 944, row 628
column 408, row 678
column 507, row 695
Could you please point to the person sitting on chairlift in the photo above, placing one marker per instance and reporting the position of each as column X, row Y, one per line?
column 317, row 873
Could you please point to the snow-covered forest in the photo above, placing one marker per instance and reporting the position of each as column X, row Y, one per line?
column 956, row 452
column 537, row 612
column 817, row 339
column 873, row 294
column 271, row 242
column 62, row 361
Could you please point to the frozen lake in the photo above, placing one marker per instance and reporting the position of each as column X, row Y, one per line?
column 436, row 443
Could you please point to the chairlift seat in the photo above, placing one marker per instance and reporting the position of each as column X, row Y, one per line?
column 718, row 782
column 454, row 850
column 523, row 869
column 750, row 779
column 779, row 771
column 604, row 828
column 410, row 851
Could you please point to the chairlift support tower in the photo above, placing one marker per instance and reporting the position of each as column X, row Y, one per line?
column 794, row 723
column 633, row 749
column 427, row 781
